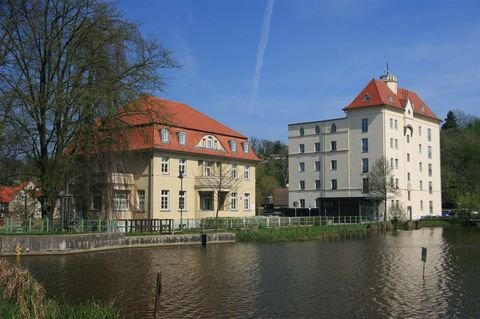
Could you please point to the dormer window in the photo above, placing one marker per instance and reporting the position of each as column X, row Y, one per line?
column 245, row 147
column 165, row 135
column 333, row 128
column 389, row 98
column 233, row 145
column 366, row 98
column 422, row 108
column 302, row 131
column 182, row 138
column 209, row 142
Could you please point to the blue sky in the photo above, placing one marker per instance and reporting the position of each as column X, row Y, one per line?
column 258, row 65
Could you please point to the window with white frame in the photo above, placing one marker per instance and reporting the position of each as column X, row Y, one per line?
column 246, row 172
column 421, row 185
column 419, row 131
column 408, row 157
column 207, row 168
column 430, row 207
column 429, row 135
column 317, row 184
column 302, row 131
column 430, row 187
column 233, row 201
column 333, row 145
column 364, row 165
column 317, row 129
column 317, row 166
column 246, row 201
column 364, row 145
column 430, row 171
column 333, row 128
column 233, row 145
column 419, row 148
column 181, row 199
column 301, row 148
column 396, row 124
column 206, row 201
column 245, row 147
column 396, row 183
column 408, row 138
column 334, row 184
column 164, row 199
column 420, row 166
column 182, row 138
column 396, row 144
column 182, row 167
column 364, row 125
column 430, row 152
column 317, row 147
column 391, row 162
column 421, row 205
column 234, row 171
column 391, row 142
column 301, row 167
column 141, row 199
column 209, row 142
column 333, row 165
column 301, row 185
column 165, row 161
column 391, row 123
column 396, row 163
column 165, row 135
column 121, row 200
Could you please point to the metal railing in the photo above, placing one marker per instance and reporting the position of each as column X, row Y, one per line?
column 39, row 226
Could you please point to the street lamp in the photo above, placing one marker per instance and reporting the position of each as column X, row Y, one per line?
column 182, row 199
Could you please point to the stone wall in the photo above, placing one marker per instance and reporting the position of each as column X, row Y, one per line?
column 68, row 244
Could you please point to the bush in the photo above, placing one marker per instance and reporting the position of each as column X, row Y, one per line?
column 23, row 297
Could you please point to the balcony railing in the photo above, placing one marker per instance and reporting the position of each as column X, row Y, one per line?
column 214, row 182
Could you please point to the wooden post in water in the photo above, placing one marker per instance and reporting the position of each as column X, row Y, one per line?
column 424, row 259
column 158, row 291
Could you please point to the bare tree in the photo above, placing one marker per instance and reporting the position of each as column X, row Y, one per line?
column 380, row 182
column 65, row 64
column 222, row 180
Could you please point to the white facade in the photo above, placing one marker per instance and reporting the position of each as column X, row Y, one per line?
column 330, row 168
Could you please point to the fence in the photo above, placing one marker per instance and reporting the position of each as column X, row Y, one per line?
column 35, row 225
column 14, row 226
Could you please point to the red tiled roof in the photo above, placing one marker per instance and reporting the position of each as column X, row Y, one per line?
column 150, row 114
column 380, row 94
column 8, row 193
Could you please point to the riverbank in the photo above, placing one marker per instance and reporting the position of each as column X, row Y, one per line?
column 21, row 296
column 298, row 233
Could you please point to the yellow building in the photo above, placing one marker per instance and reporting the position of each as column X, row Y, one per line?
column 178, row 163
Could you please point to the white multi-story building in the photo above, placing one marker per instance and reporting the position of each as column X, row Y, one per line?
column 329, row 159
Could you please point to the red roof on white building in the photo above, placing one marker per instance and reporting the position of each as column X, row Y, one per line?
column 150, row 114
column 380, row 94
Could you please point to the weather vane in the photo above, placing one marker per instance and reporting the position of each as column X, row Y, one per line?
column 387, row 71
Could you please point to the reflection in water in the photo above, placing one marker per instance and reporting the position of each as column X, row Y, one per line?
column 378, row 276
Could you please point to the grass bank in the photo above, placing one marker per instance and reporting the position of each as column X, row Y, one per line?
column 297, row 233
column 21, row 296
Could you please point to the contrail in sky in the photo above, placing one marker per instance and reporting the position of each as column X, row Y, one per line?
column 262, row 45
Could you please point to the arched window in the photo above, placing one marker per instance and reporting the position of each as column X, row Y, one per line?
column 302, row 131
column 209, row 142
column 317, row 129
column 165, row 135
column 333, row 128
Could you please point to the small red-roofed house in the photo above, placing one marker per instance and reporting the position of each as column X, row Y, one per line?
column 19, row 201
column 179, row 164
column 330, row 160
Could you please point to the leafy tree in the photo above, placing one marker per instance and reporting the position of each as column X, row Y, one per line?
column 64, row 64
column 380, row 184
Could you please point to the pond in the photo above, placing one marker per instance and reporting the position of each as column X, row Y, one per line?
column 372, row 276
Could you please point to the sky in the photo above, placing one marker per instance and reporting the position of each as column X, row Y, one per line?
column 259, row 65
